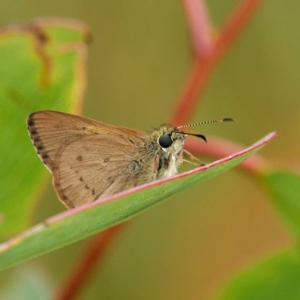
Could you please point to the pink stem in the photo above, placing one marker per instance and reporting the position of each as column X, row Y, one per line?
column 219, row 148
column 202, row 68
column 199, row 24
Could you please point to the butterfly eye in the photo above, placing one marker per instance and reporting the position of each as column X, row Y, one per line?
column 165, row 141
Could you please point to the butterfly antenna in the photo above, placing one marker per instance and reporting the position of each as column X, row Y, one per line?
column 208, row 122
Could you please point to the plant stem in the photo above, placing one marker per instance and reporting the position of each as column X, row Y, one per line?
column 203, row 67
column 92, row 255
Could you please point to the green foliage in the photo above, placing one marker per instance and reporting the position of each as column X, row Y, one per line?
column 275, row 278
column 27, row 283
column 41, row 67
column 284, row 188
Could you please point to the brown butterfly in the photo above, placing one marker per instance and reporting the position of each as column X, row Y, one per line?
column 91, row 160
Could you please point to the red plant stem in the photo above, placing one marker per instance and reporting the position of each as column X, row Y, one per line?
column 197, row 81
column 199, row 25
column 202, row 68
column 220, row 148
column 83, row 268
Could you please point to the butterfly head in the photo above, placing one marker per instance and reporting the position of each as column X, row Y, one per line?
column 169, row 139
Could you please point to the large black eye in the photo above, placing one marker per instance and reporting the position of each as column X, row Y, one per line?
column 165, row 141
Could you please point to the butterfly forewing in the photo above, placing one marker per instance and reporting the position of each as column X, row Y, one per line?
column 88, row 159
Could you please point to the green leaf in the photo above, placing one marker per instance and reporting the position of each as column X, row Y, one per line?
column 284, row 187
column 30, row 282
column 88, row 219
column 42, row 67
column 276, row 278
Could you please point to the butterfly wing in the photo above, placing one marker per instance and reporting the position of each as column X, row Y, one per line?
column 88, row 159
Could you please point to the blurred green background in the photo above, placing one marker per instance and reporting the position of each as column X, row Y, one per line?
column 137, row 67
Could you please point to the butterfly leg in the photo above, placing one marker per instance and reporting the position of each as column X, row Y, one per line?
column 155, row 167
column 193, row 158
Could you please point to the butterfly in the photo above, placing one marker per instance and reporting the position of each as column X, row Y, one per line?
column 91, row 160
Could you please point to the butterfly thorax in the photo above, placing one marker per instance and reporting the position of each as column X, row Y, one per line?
column 166, row 159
